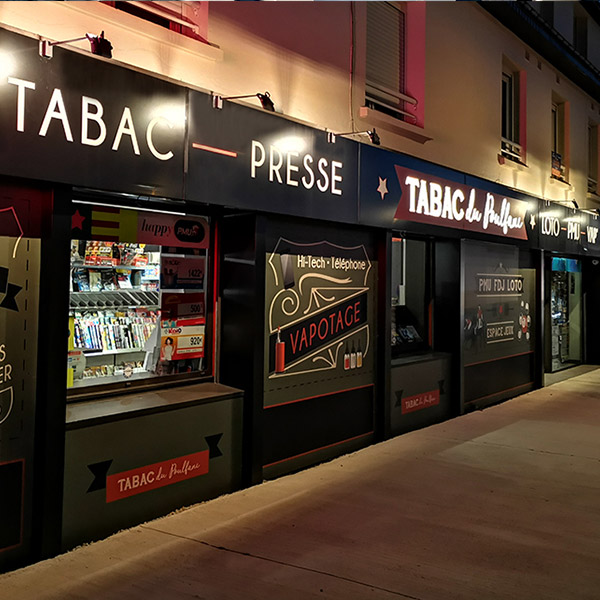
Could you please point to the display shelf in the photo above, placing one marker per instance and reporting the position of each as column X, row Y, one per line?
column 137, row 374
column 101, row 267
column 97, row 352
column 111, row 299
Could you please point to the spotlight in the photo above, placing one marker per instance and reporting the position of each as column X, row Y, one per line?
column 372, row 133
column 575, row 205
column 99, row 45
column 265, row 100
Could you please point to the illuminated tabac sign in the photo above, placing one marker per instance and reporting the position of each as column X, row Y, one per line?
column 428, row 199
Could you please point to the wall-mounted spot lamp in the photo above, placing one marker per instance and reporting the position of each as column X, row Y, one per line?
column 265, row 100
column 575, row 205
column 372, row 133
column 99, row 45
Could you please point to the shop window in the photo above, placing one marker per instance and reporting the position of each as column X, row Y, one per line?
column 565, row 312
column 188, row 18
column 411, row 295
column 513, row 115
column 593, row 158
column 559, row 165
column 385, row 79
column 138, row 301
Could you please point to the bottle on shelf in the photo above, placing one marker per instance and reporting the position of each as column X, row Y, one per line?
column 353, row 357
column 346, row 358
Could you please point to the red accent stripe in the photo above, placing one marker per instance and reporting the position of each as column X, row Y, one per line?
column 107, row 224
column 362, row 387
column 357, row 437
column 498, row 359
column 518, row 387
column 230, row 153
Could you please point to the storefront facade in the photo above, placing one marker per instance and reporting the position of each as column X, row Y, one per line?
column 210, row 297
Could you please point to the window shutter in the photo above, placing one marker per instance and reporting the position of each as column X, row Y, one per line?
column 385, row 53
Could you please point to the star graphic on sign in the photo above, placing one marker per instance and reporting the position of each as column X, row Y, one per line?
column 382, row 189
column 532, row 221
column 77, row 220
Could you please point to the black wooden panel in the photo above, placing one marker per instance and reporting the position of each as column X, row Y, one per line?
column 499, row 377
column 11, row 504
column 308, row 425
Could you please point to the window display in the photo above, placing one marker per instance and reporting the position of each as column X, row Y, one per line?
column 137, row 309
column 565, row 312
column 410, row 296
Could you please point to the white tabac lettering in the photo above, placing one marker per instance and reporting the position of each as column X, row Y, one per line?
column 573, row 230
column 471, row 213
column 291, row 168
column 503, row 219
column 336, row 177
column 308, row 162
column 56, row 110
column 592, row 234
column 96, row 117
column 435, row 199
column 126, row 128
column 413, row 185
column 150, row 141
column 457, row 210
column 274, row 167
column 550, row 225
column 22, row 85
column 258, row 157
column 423, row 201
column 323, row 181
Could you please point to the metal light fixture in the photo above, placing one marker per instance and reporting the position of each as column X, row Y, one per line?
column 372, row 133
column 99, row 45
column 265, row 100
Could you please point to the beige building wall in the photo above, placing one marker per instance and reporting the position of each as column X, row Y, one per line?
column 310, row 57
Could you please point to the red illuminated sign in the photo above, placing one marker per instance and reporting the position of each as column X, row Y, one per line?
column 420, row 401
column 150, row 477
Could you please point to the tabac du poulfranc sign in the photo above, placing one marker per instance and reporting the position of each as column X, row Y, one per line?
column 437, row 201
column 319, row 318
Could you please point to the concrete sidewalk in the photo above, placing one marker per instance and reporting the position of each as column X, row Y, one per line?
column 502, row 503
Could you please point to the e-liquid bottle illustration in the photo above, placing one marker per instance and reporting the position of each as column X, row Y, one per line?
column 346, row 358
column 279, row 353
column 353, row 357
column 359, row 357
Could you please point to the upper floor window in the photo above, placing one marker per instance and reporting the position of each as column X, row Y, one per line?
column 559, row 140
column 593, row 158
column 511, row 148
column 385, row 78
column 187, row 18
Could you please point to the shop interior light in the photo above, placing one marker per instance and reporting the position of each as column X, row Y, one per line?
column 265, row 100
column 372, row 133
column 99, row 45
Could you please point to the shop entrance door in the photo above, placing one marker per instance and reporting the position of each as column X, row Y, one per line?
column 565, row 313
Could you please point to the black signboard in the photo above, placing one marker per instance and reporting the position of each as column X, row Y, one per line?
column 320, row 317
column 84, row 121
column 247, row 158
